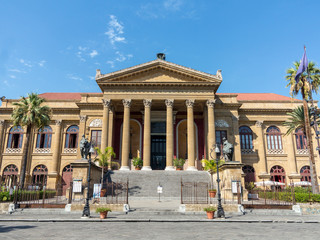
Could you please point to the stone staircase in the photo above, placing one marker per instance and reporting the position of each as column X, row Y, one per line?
column 143, row 184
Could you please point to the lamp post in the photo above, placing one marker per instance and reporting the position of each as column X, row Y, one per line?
column 220, row 208
column 86, row 209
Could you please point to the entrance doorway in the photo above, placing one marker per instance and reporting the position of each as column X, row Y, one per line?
column 158, row 152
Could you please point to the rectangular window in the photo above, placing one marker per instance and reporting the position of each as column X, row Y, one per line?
column 220, row 134
column 96, row 138
column 73, row 140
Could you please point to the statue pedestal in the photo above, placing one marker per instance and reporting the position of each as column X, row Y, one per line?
column 80, row 173
column 229, row 172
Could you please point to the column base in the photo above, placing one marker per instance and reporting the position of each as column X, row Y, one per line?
column 124, row 168
column 146, row 168
column 170, row 168
column 192, row 168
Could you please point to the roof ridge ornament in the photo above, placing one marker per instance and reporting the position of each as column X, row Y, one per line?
column 161, row 56
column 218, row 74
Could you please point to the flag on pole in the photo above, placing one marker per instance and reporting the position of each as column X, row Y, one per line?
column 303, row 66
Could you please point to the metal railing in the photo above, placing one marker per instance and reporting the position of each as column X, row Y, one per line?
column 194, row 193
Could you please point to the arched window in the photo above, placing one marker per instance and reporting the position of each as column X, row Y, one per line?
column 301, row 139
column 39, row 175
column 278, row 174
column 44, row 137
column 10, row 175
column 15, row 137
column 245, row 137
column 250, row 174
column 305, row 174
column 274, row 138
column 72, row 137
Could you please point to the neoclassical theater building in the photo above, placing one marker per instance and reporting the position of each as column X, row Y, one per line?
column 158, row 110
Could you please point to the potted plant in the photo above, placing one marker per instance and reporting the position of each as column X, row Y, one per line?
column 103, row 212
column 210, row 212
column 178, row 163
column 211, row 167
column 137, row 163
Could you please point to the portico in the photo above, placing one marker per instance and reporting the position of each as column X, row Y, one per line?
column 162, row 105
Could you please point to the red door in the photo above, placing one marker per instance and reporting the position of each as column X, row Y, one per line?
column 66, row 178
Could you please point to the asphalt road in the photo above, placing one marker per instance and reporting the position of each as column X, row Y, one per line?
column 160, row 230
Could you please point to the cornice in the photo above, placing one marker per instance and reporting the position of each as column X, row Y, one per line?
column 189, row 84
column 266, row 110
column 156, row 64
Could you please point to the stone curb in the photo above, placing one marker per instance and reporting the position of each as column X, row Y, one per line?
column 157, row 220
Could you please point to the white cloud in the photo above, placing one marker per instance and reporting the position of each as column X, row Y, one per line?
column 12, row 76
column 173, row 5
column 111, row 63
column 5, row 82
column 41, row 63
column 25, row 63
column 115, row 31
column 93, row 53
column 16, row 70
column 74, row 77
column 121, row 57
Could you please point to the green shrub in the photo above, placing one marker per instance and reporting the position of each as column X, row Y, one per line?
column 179, row 162
column 137, row 162
column 103, row 209
column 210, row 209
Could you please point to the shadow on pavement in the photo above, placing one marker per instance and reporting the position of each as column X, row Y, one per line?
column 4, row 229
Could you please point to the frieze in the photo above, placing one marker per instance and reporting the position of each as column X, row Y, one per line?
column 96, row 123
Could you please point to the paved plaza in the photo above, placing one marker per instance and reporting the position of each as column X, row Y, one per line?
column 157, row 230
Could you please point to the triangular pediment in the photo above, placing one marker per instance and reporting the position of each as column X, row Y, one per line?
column 158, row 71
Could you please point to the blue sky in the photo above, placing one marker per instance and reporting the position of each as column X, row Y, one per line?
column 56, row 46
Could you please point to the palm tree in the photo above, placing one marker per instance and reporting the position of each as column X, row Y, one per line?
column 211, row 167
column 104, row 158
column 308, row 83
column 296, row 120
column 29, row 113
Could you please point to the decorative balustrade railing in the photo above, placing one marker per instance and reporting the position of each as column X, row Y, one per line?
column 248, row 151
column 13, row 150
column 42, row 150
column 275, row 151
column 70, row 150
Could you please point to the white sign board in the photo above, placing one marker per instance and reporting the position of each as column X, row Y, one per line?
column 159, row 189
column 77, row 186
column 96, row 190
column 234, row 187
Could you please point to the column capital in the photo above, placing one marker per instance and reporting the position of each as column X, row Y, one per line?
column 106, row 102
column 169, row 102
column 1, row 122
column 259, row 123
column 210, row 102
column 190, row 103
column 58, row 122
column 126, row 102
column 147, row 102
column 83, row 118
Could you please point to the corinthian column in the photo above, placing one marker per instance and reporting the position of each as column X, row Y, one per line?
column 211, row 127
column 125, row 135
column 169, row 140
column 190, row 123
column 146, row 134
column 56, row 147
column 105, row 123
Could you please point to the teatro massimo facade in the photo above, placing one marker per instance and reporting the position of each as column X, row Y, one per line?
column 158, row 111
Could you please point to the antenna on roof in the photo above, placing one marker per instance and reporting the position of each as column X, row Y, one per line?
column 2, row 98
column 161, row 56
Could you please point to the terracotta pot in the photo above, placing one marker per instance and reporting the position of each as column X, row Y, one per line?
column 103, row 215
column 178, row 168
column 210, row 215
column 212, row 193
column 137, row 168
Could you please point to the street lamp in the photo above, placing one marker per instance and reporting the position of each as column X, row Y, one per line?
column 86, row 209
column 220, row 208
